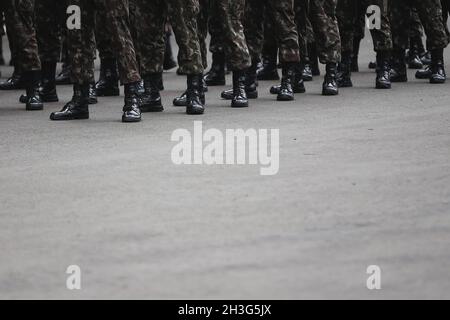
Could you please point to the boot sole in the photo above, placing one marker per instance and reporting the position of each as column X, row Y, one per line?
column 379, row 86
column 38, row 107
column 423, row 77
column 250, row 95
column 194, row 112
column 285, row 99
column 239, row 105
column 81, row 117
column 330, row 93
column 126, row 120
column 433, row 81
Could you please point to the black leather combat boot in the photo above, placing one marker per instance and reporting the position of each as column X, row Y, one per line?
column 131, row 109
column 330, row 87
column 269, row 68
column 383, row 80
column 251, row 85
column 47, row 89
column 286, row 91
column 77, row 108
column 298, row 85
column 437, row 67
column 398, row 70
column 414, row 61
column 216, row 75
column 151, row 100
column 424, row 73
column 64, row 76
column 92, row 94
column 344, row 75
column 108, row 83
column 16, row 82
column 34, row 100
column 194, row 103
column 239, row 95
column 181, row 101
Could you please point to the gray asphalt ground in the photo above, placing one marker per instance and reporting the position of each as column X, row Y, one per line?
column 364, row 180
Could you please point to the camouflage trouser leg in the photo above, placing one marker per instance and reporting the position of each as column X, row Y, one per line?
column 415, row 25
column 19, row 15
column 151, row 36
column 118, row 22
column 270, row 45
column 253, row 30
column 325, row 25
column 135, row 27
column 445, row 13
column 231, row 13
column 49, row 25
column 382, row 38
column 183, row 16
column 102, row 38
column 283, row 16
column 216, row 44
column 430, row 13
column 301, row 8
column 81, row 44
column 349, row 12
column 202, row 24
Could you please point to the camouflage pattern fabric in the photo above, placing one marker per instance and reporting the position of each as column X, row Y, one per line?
column 19, row 18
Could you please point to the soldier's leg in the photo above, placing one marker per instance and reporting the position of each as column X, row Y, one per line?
column 216, row 75
column 283, row 17
column 108, row 83
column 80, row 51
column 2, row 33
column 238, row 55
column 311, row 61
column 323, row 14
column 416, row 47
column 49, row 14
column 118, row 21
column 151, row 36
column 382, row 42
column 360, row 28
column 202, row 24
column 430, row 12
column 301, row 16
column 347, row 13
column 183, row 15
column 15, row 82
column 301, row 13
column 21, row 14
column 269, row 54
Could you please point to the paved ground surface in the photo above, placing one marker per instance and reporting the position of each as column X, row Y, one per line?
column 364, row 180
